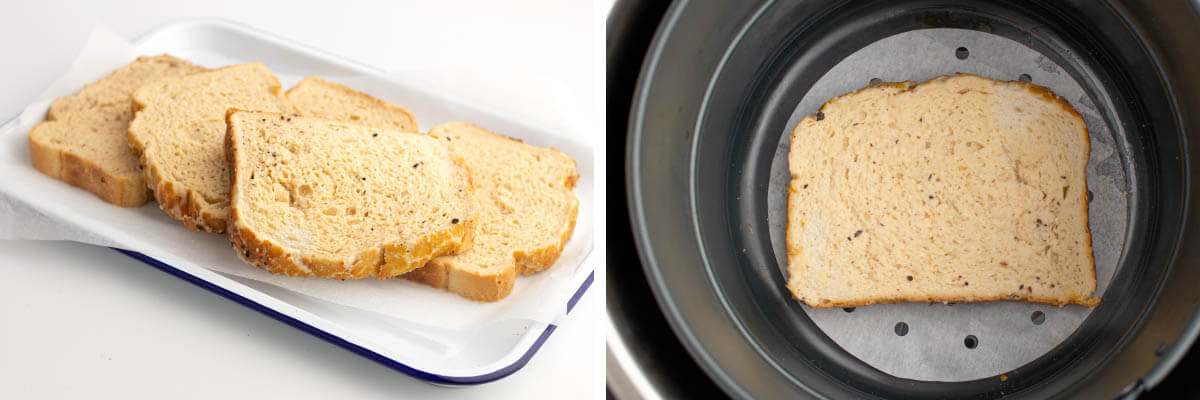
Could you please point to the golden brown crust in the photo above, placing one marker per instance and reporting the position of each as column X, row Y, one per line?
column 46, row 159
column 1090, row 301
column 432, row 274
column 85, row 174
column 910, row 85
column 1087, row 143
column 78, row 170
column 494, row 286
column 1047, row 95
column 386, row 261
column 180, row 205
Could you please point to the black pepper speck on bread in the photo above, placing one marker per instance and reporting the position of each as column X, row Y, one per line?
column 315, row 197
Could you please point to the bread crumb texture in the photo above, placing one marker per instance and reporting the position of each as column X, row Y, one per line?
column 959, row 189
column 315, row 197
column 526, row 206
column 316, row 97
column 179, row 135
column 84, row 139
column 527, row 212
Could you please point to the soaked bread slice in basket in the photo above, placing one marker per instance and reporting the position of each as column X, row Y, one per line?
column 959, row 189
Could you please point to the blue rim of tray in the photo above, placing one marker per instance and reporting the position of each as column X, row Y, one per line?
column 355, row 348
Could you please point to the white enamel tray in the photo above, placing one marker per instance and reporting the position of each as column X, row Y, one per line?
column 439, row 356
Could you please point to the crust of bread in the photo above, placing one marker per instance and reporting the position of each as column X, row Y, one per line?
column 1088, row 301
column 176, row 203
column 384, row 262
column 80, row 171
column 479, row 287
column 486, row 283
column 495, row 281
column 83, row 173
column 539, row 259
column 388, row 260
column 179, row 204
column 1046, row 95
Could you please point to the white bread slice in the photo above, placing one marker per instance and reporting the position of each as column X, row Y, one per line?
column 316, row 97
column 527, row 213
column 959, row 189
column 315, row 197
column 523, row 226
column 84, row 141
column 179, row 134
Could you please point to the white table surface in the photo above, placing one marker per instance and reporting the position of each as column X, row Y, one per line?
column 79, row 321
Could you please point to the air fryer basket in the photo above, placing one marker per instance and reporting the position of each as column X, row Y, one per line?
column 723, row 82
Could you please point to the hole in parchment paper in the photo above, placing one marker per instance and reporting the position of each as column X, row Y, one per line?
column 875, row 81
column 1038, row 317
column 971, row 341
column 1089, row 197
column 1025, row 78
column 848, row 309
column 962, row 53
column 901, row 328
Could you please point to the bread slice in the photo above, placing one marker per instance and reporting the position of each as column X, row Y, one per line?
column 526, row 213
column 316, row 97
column 315, row 197
column 527, row 209
column 179, row 134
column 83, row 141
column 959, row 189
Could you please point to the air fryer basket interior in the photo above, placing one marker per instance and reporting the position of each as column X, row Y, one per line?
column 716, row 93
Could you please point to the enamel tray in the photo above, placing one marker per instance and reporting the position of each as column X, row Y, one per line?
column 444, row 357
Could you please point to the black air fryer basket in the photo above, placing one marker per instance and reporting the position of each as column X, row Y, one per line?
column 702, row 102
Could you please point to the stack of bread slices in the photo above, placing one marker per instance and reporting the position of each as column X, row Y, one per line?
column 320, row 180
